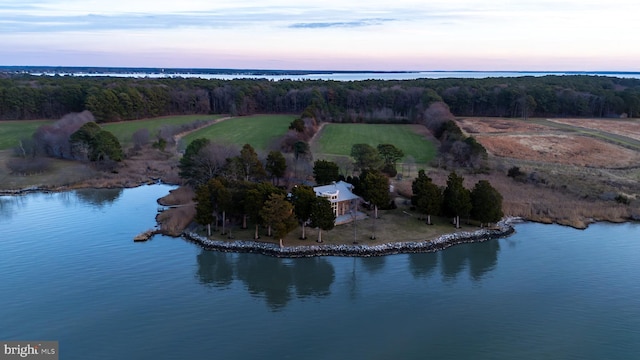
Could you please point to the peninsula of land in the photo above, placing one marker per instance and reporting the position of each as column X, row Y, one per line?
column 557, row 149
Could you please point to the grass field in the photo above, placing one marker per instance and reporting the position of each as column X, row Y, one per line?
column 259, row 130
column 12, row 131
column 124, row 130
column 337, row 139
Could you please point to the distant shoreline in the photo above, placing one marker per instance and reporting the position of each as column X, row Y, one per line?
column 229, row 71
column 284, row 74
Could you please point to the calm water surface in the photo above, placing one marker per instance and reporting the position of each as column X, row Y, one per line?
column 69, row 271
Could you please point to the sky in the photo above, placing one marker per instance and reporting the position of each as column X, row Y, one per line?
column 406, row 35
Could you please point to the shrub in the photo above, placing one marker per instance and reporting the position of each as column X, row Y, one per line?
column 161, row 144
column 28, row 166
column 390, row 169
column 621, row 199
column 515, row 172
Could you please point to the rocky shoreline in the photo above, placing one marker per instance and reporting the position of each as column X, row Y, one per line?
column 504, row 228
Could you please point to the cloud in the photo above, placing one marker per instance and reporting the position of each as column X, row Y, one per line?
column 339, row 24
column 97, row 22
column 42, row 16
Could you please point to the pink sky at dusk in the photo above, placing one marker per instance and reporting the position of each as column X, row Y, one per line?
column 332, row 35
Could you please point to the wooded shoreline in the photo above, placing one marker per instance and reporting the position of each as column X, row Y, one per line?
column 504, row 228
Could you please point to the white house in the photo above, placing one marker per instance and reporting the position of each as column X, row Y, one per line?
column 342, row 199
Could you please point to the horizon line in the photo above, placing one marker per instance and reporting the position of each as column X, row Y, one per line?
column 307, row 71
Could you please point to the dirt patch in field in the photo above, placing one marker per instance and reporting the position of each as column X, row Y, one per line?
column 474, row 126
column 623, row 127
column 560, row 149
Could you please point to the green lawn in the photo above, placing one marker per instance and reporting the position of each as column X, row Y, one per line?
column 12, row 131
column 337, row 139
column 124, row 130
column 258, row 130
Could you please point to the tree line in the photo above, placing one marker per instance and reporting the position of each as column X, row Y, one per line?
column 482, row 203
column 402, row 101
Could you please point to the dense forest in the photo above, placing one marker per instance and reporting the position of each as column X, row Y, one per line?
column 25, row 97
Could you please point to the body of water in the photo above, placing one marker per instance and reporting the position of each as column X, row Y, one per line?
column 346, row 76
column 69, row 271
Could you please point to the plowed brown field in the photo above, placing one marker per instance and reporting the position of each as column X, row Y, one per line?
column 530, row 141
column 474, row 126
column 561, row 149
column 624, row 127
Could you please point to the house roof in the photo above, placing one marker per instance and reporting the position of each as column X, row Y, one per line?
column 343, row 190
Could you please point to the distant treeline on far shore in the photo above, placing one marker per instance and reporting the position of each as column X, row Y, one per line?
column 24, row 97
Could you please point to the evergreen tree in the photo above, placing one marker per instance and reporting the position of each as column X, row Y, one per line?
column 427, row 196
column 251, row 166
column 96, row 143
column 375, row 187
column 277, row 212
column 106, row 146
column 253, row 202
column 204, row 207
column 297, row 125
column 456, row 198
column 390, row 154
column 486, row 203
column 256, row 196
column 276, row 166
column 325, row 172
column 188, row 165
column 239, row 191
column 221, row 196
column 322, row 215
column 86, row 133
column 366, row 157
column 301, row 149
column 302, row 197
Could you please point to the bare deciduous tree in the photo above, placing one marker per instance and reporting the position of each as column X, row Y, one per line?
column 140, row 138
column 53, row 140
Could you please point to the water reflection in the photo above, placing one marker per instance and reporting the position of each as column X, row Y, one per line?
column 266, row 277
column 9, row 205
column 313, row 277
column 98, row 197
column 374, row 264
column 452, row 262
column 273, row 279
column 214, row 269
column 6, row 208
column 278, row 281
column 480, row 259
column 483, row 258
column 422, row 265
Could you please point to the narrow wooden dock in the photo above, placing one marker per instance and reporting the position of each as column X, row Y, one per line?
column 145, row 235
